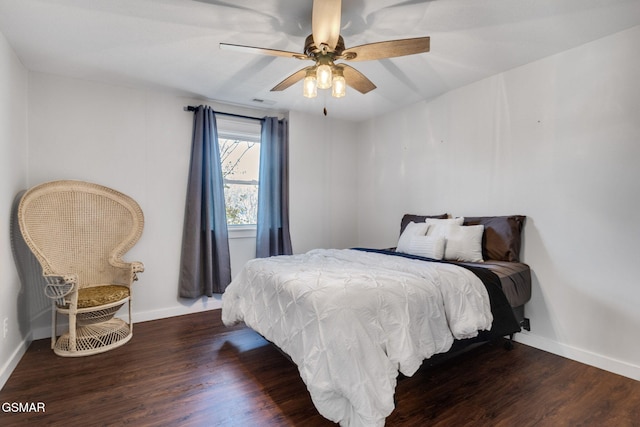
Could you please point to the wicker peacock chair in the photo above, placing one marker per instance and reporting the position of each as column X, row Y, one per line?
column 79, row 232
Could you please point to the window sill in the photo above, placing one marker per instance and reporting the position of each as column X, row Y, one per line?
column 242, row 231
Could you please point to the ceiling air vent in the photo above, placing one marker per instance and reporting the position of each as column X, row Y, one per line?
column 263, row 101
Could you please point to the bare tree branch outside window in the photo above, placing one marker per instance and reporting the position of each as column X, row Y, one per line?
column 240, row 162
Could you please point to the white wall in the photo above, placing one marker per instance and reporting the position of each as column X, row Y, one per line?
column 557, row 140
column 138, row 142
column 13, row 178
column 323, row 182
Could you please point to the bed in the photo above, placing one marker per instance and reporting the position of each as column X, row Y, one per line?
column 352, row 320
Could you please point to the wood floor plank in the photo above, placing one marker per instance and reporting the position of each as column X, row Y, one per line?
column 193, row 371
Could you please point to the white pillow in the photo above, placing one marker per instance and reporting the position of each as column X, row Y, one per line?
column 436, row 224
column 412, row 229
column 463, row 243
column 427, row 246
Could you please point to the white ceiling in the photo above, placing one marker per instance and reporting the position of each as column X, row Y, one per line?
column 173, row 44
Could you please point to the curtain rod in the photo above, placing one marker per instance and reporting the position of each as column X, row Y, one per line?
column 192, row 108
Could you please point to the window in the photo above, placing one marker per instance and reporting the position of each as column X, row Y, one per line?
column 239, row 143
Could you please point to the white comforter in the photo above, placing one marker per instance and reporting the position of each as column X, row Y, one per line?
column 351, row 320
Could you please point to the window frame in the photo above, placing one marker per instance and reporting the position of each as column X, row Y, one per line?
column 242, row 129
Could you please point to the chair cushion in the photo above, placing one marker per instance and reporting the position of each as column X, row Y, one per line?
column 100, row 295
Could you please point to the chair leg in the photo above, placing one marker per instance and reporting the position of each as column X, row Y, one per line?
column 72, row 332
column 54, row 329
column 73, row 311
column 130, row 318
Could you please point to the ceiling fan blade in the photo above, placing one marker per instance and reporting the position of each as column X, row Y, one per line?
column 325, row 22
column 262, row 51
column 388, row 49
column 291, row 80
column 356, row 79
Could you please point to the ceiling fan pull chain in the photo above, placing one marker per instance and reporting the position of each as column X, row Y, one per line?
column 324, row 101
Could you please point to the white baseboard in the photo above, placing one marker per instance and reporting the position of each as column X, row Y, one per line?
column 204, row 304
column 579, row 355
column 14, row 359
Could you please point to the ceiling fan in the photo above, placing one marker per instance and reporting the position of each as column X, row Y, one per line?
column 324, row 46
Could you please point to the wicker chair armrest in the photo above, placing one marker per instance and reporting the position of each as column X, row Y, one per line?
column 136, row 267
column 60, row 286
column 129, row 270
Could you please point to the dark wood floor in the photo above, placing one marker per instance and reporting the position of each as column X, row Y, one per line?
column 193, row 371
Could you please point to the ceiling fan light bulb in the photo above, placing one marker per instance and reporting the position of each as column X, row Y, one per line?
column 323, row 75
column 310, row 89
column 339, row 88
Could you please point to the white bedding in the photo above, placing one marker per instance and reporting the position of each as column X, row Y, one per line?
column 351, row 320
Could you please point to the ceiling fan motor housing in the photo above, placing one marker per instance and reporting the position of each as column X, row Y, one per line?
column 313, row 51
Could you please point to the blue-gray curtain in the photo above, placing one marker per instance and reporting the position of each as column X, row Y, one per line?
column 205, row 266
column 272, row 234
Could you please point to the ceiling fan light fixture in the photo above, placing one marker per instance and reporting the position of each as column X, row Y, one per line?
column 310, row 88
column 323, row 76
column 339, row 85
